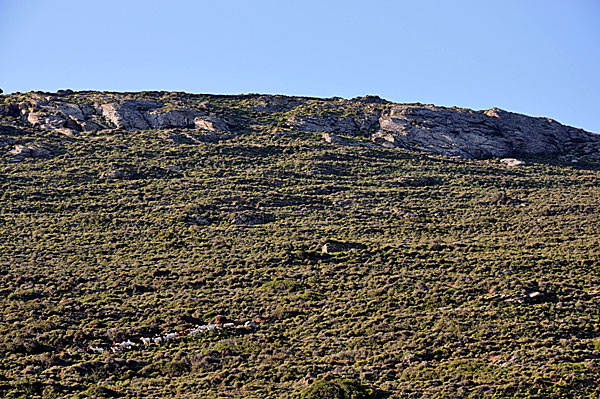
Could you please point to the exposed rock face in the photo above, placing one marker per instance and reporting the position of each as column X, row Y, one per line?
column 68, row 118
column 22, row 151
column 329, row 124
column 440, row 130
column 145, row 115
column 365, row 119
column 211, row 123
column 473, row 134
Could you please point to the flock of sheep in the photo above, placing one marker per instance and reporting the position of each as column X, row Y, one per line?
column 159, row 339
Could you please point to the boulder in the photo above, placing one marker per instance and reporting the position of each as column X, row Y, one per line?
column 370, row 100
column 46, row 121
column 62, row 93
column 249, row 218
column 129, row 114
column 334, row 246
column 23, row 151
column 333, row 139
column 178, row 118
column 512, row 162
column 117, row 174
column 211, row 123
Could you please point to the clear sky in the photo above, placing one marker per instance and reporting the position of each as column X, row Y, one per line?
column 539, row 58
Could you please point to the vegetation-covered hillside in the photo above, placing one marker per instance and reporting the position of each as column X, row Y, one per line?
column 257, row 259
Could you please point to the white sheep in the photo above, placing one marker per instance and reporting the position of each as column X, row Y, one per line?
column 126, row 344
column 96, row 349
column 250, row 324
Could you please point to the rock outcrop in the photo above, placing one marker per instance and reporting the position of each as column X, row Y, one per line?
column 471, row 134
column 70, row 118
column 418, row 127
column 23, row 151
column 145, row 115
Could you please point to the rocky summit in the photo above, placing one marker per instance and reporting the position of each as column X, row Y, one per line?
column 362, row 121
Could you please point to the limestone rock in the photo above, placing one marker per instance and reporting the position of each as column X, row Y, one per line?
column 384, row 139
column 46, row 121
column 512, row 162
column 413, row 127
column 470, row 134
column 212, row 123
column 129, row 114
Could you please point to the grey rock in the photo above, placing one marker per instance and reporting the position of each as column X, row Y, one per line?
column 333, row 139
column 129, row 114
column 23, row 151
column 329, row 124
column 247, row 218
column 512, row 162
column 371, row 100
column 117, row 174
column 89, row 126
column 46, row 121
column 470, row 134
column 67, row 132
column 63, row 93
column 335, row 246
column 75, row 111
column 179, row 118
column 145, row 115
column 384, row 139
column 211, row 123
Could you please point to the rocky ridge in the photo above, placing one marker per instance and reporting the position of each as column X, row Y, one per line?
column 366, row 121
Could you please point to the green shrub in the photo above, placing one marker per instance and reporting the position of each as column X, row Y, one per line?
column 341, row 389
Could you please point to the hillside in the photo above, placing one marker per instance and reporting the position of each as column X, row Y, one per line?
column 162, row 244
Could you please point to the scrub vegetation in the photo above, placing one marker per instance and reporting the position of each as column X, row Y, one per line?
column 442, row 277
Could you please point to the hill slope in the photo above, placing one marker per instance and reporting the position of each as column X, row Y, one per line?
column 335, row 248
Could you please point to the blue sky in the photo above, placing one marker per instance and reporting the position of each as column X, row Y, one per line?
column 540, row 58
